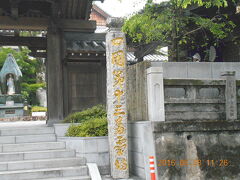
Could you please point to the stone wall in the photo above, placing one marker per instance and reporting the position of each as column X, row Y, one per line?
column 94, row 149
column 137, row 88
column 197, row 150
column 193, row 70
column 141, row 146
column 194, row 99
column 190, row 90
column 194, row 139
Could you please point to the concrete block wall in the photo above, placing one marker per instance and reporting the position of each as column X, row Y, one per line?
column 94, row 149
column 141, row 146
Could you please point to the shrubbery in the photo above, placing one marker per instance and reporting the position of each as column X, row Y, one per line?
column 93, row 122
column 98, row 111
column 29, row 91
column 90, row 128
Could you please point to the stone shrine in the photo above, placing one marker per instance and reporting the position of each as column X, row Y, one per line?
column 11, row 100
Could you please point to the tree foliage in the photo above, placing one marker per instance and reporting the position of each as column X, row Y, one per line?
column 175, row 24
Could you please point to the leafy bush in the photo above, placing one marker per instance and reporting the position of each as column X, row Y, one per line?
column 90, row 128
column 98, row 111
column 39, row 109
column 29, row 91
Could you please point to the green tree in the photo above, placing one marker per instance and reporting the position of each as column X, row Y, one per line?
column 177, row 25
column 29, row 67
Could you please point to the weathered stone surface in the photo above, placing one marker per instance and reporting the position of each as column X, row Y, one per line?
column 230, row 95
column 117, row 103
column 137, row 91
column 195, row 126
column 115, row 22
column 42, row 97
column 198, row 150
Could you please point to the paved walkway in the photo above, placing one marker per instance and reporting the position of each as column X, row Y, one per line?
column 22, row 124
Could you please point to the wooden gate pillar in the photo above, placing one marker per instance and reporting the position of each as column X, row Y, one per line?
column 54, row 76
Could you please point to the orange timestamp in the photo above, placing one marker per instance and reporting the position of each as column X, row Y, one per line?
column 197, row 162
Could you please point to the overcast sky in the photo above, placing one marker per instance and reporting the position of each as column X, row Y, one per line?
column 123, row 8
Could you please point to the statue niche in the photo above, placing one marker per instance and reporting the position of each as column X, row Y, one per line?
column 10, row 76
column 11, row 99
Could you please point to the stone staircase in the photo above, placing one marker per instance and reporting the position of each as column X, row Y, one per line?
column 32, row 153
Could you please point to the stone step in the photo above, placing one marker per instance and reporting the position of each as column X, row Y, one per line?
column 32, row 155
column 43, row 163
column 44, row 173
column 27, row 139
column 69, row 178
column 26, row 131
column 31, row 146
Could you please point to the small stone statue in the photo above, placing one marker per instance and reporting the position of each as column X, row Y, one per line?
column 10, row 85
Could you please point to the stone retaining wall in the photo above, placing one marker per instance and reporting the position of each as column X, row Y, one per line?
column 197, row 150
column 94, row 149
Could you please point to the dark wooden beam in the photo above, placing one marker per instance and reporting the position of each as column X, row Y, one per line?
column 31, row 42
column 25, row 23
column 77, row 25
column 49, row 1
column 38, row 54
column 39, row 24
column 88, row 12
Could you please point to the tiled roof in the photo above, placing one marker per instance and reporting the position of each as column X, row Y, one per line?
column 95, row 43
column 150, row 57
column 86, row 46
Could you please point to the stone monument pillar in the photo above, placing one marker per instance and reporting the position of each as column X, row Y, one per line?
column 116, row 98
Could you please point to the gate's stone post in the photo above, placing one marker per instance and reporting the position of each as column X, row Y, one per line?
column 116, row 98
column 230, row 95
column 155, row 93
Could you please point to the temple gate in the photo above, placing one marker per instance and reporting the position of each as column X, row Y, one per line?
column 75, row 56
